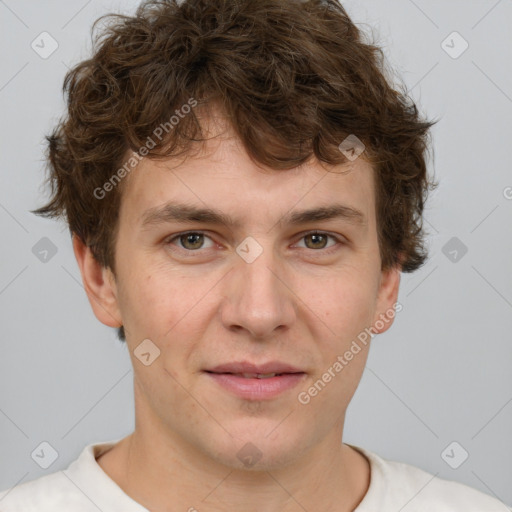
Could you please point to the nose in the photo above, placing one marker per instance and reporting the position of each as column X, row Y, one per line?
column 259, row 299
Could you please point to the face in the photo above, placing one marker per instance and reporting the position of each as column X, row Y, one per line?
column 270, row 286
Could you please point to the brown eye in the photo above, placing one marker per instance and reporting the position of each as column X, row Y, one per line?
column 192, row 241
column 320, row 242
column 317, row 241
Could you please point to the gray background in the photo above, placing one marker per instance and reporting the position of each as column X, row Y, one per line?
column 440, row 374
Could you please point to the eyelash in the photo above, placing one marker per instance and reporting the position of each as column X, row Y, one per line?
column 328, row 250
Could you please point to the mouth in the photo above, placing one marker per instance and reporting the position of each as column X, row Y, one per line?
column 252, row 382
column 270, row 368
column 255, row 375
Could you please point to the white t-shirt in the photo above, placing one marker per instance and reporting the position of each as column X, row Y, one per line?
column 394, row 486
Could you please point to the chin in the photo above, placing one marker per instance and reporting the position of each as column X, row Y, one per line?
column 259, row 447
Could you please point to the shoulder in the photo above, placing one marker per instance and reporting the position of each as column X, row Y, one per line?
column 52, row 492
column 403, row 486
column 77, row 488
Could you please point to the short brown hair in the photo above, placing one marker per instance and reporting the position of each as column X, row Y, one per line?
column 294, row 78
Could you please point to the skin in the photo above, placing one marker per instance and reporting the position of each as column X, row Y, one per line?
column 302, row 301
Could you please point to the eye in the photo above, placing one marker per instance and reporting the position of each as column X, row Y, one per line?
column 319, row 240
column 191, row 241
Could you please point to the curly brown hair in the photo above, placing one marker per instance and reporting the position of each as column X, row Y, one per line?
column 294, row 78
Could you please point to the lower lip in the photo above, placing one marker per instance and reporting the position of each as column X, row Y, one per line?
column 257, row 389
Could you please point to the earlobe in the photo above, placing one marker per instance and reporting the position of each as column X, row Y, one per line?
column 387, row 298
column 99, row 284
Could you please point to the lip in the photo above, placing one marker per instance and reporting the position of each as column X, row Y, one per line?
column 228, row 377
column 246, row 367
column 255, row 388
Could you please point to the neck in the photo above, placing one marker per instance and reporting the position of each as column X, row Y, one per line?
column 163, row 472
column 147, row 474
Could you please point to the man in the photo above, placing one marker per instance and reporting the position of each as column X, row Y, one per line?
column 243, row 188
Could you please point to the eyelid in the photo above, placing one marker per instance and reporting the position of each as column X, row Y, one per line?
column 168, row 240
column 338, row 238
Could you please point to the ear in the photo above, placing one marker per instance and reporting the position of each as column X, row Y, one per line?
column 387, row 298
column 99, row 284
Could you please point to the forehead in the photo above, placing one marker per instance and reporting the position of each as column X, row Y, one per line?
column 222, row 179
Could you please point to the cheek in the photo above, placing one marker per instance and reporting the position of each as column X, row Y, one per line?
column 343, row 307
column 169, row 308
column 147, row 302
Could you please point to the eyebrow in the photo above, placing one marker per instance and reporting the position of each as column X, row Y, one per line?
column 184, row 213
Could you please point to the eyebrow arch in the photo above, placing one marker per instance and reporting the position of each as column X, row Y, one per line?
column 177, row 212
